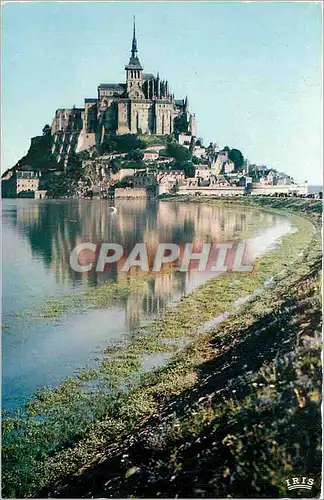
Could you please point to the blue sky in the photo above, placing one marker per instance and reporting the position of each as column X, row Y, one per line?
column 252, row 71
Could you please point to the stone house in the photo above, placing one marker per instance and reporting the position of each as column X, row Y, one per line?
column 185, row 140
column 150, row 155
column 21, row 183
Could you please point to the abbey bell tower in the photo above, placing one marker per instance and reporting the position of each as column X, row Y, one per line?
column 141, row 104
column 134, row 71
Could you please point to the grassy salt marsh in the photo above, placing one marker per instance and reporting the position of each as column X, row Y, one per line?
column 220, row 418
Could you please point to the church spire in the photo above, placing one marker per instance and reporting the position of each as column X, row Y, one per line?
column 134, row 63
column 134, row 69
column 134, row 41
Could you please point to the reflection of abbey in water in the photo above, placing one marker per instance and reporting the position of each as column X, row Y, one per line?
column 143, row 104
column 53, row 230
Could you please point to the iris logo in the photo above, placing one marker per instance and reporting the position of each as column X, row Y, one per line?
column 299, row 483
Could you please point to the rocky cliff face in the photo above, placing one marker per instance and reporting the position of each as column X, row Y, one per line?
column 38, row 158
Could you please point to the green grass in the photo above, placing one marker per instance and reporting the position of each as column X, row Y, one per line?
column 109, row 293
column 154, row 140
column 162, row 419
column 292, row 204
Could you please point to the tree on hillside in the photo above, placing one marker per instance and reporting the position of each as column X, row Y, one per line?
column 122, row 143
column 237, row 158
column 82, row 155
column 131, row 164
column 46, row 129
column 196, row 160
column 39, row 156
column 135, row 155
column 211, row 152
column 124, row 183
column 66, row 184
column 61, row 187
column 115, row 165
column 189, row 169
column 178, row 152
column 180, row 124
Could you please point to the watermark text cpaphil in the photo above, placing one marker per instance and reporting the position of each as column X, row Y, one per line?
column 203, row 257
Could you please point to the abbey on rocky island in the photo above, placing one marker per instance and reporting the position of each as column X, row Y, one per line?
column 141, row 105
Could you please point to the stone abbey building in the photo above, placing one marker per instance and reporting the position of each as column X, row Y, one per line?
column 141, row 105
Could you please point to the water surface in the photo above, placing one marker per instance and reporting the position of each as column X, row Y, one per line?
column 38, row 236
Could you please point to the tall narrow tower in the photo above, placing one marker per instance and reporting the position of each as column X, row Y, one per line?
column 134, row 70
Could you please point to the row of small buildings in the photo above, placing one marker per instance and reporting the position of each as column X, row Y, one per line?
column 22, row 184
column 214, row 173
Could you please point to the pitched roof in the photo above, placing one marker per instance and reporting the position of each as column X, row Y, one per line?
column 134, row 63
column 112, row 86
